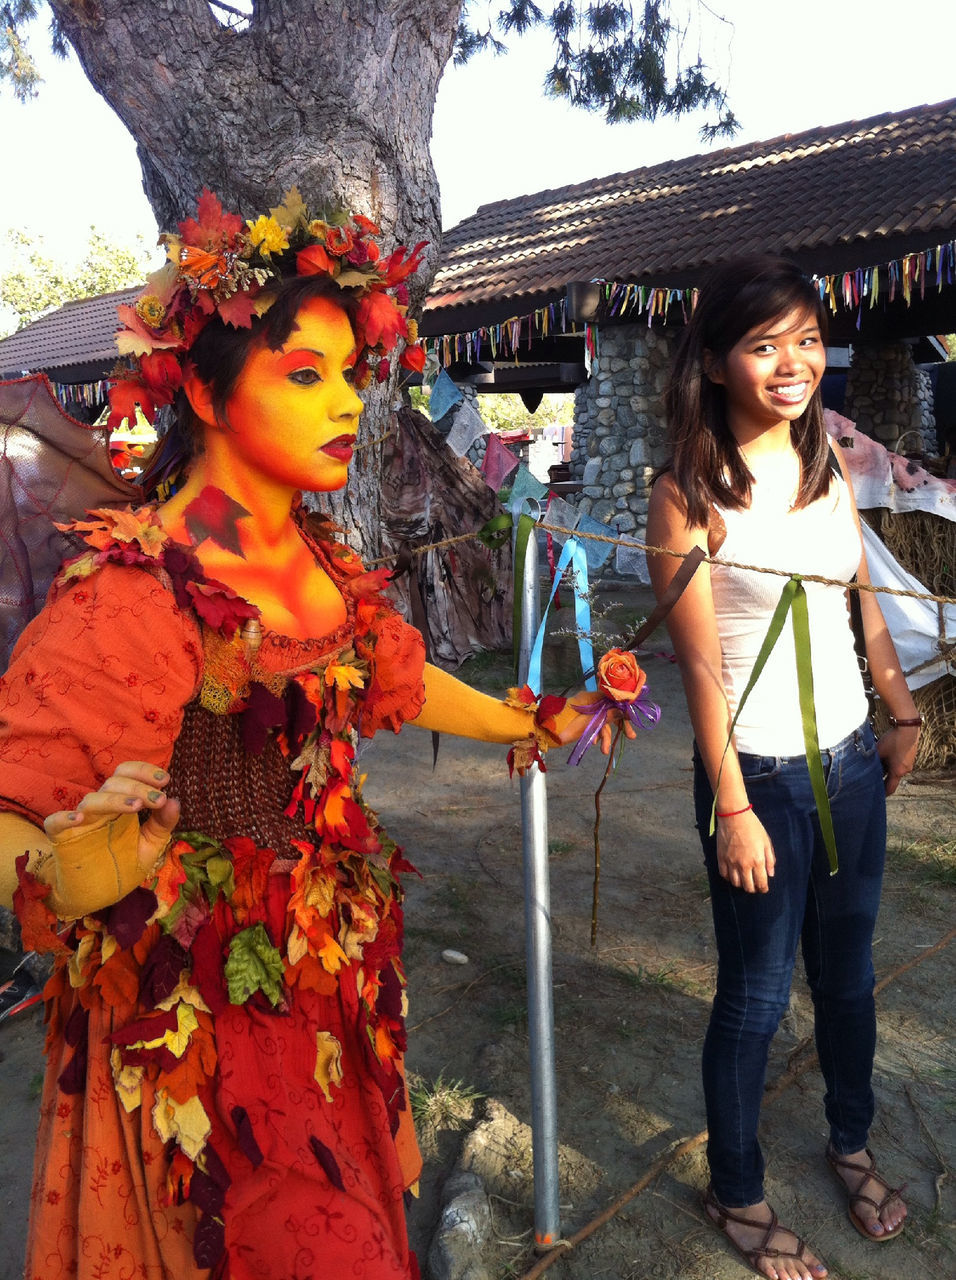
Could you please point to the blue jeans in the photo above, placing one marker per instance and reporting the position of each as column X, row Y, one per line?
column 757, row 935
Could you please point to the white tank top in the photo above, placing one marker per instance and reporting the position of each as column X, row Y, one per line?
column 822, row 539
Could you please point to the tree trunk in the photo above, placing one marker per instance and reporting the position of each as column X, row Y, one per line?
column 335, row 96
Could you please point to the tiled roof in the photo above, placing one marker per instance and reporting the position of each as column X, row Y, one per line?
column 836, row 198
column 69, row 342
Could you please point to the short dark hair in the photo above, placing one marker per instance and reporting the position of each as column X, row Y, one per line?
column 735, row 298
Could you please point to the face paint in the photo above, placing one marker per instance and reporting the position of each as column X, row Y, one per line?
column 294, row 413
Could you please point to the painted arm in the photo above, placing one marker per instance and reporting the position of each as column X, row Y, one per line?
column 97, row 853
column 897, row 747
column 745, row 855
column 451, row 706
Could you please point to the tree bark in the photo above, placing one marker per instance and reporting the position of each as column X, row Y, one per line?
column 335, row 96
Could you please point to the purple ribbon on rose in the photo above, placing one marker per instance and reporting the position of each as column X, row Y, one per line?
column 641, row 712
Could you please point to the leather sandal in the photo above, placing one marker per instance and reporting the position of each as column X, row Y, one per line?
column 720, row 1217
column 854, row 1194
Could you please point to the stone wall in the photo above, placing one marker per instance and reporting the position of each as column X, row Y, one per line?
column 889, row 398
column 619, row 433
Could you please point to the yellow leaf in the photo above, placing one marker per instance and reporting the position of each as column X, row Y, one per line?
column 128, row 1082
column 292, row 209
column 186, row 992
column 77, row 965
column 328, row 1062
column 184, row 1122
column 331, row 955
column 297, row 945
column 344, row 676
column 177, row 1042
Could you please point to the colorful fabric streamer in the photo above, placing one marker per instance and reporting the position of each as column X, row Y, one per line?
column 573, row 556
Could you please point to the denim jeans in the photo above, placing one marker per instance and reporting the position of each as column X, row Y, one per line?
column 757, row 935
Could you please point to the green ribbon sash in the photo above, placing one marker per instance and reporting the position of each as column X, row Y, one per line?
column 793, row 600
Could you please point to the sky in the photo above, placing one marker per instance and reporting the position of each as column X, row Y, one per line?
column 69, row 163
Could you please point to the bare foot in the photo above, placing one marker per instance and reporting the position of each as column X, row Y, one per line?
column 876, row 1209
column 773, row 1251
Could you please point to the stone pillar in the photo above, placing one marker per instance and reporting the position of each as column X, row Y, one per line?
column 619, row 430
column 888, row 398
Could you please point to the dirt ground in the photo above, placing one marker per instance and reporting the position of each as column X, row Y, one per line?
column 630, row 1013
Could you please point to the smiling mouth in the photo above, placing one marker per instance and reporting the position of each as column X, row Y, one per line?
column 793, row 393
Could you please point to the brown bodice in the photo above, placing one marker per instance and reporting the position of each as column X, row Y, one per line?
column 226, row 792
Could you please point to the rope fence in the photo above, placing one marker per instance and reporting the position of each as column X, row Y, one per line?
column 635, row 544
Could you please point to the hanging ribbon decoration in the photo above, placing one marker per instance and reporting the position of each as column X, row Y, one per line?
column 573, row 555
column 793, row 600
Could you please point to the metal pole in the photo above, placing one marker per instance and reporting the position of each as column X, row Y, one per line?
column 537, row 914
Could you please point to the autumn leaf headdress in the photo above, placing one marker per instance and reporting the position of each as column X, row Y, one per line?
column 221, row 265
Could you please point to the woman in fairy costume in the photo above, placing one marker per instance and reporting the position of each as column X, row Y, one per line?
column 224, row 1093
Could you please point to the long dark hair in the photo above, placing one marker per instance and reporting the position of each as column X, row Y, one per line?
column 706, row 462
column 218, row 357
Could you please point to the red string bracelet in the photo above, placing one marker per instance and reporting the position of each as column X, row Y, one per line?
column 734, row 812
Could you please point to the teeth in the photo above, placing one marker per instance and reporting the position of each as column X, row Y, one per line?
column 790, row 392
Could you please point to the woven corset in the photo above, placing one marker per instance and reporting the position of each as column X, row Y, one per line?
column 226, row 792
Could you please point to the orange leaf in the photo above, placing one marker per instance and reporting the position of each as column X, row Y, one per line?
column 197, row 1065
column 118, row 980
column 311, row 976
column 384, row 1044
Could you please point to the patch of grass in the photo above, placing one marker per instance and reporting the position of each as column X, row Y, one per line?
column 640, row 976
column 442, row 1104
column 490, row 670
column 35, row 1087
column 929, row 861
column 561, row 846
column 508, row 1014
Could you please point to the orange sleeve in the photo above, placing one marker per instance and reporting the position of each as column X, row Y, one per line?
column 395, row 652
column 99, row 677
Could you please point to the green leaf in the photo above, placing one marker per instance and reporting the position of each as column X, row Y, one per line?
column 253, row 965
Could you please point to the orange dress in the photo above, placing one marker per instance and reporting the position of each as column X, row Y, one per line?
column 224, row 1094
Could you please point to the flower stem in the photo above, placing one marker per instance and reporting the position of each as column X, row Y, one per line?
column 597, row 834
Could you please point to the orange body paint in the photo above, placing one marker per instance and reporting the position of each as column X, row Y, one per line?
column 293, row 418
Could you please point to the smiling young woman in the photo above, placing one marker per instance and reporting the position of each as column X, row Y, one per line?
column 754, row 477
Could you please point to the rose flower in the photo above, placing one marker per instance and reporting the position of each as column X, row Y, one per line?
column 619, row 676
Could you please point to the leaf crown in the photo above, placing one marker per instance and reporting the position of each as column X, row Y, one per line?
column 220, row 265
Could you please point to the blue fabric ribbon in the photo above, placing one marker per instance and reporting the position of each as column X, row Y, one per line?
column 573, row 554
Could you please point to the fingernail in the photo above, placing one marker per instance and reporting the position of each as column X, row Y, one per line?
column 131, row 802
column 153, row 795
column 73, row 816
column 160, row 775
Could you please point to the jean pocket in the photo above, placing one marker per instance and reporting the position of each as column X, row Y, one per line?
column 758, row 768
column 865, row 741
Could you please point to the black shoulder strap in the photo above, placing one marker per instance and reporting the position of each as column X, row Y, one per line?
column 856, row 611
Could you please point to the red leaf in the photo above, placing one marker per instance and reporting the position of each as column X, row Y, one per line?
column 240, row 309
column 213, row 515
column 126, row 921
column 161, row 971
column 150, row 1028
column 328, row 1162
column 207, row 968
column 245, row 1137
column 213, row 226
